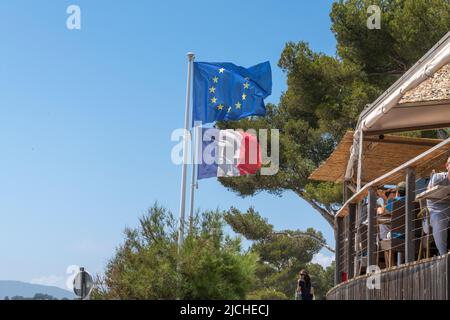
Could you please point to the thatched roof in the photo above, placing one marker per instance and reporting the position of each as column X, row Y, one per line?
column 334, row 168
column 379, row 156
column 434, row 89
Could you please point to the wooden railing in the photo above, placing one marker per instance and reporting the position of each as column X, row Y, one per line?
column 420, row 164
column 423, row 280
column 347, row 234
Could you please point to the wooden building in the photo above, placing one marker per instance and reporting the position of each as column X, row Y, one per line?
column 403, row 266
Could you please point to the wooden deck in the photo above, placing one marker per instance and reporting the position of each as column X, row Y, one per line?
column 424, row 280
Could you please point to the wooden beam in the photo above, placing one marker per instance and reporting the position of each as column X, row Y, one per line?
column 345, row 191
column 409, row 214
column 360, row 162
column 358, row 253
column 338, row 233
column 371, row 227
column 351, row 241
column 351, row 187
column 403, row 141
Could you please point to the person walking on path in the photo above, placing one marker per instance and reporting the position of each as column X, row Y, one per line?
column 304, row 288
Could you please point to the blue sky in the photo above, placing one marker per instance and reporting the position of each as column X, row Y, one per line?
column 86, row 118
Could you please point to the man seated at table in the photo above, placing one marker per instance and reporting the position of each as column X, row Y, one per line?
column 398, row 195
column 439, row 210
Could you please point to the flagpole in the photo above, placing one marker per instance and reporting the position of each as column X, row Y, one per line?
column 191, row 58
column 194, row 184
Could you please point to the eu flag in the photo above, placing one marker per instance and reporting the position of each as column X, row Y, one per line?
column 224, row 91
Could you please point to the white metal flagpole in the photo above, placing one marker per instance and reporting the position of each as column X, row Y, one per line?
column 196, row 134
column 191, row 58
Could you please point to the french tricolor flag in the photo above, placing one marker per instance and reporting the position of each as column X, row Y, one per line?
column 228, row 153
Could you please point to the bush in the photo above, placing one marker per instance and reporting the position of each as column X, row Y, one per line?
column 148, row 265
column 267, row 294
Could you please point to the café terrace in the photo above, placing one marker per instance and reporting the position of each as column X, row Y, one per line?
column 374, row 157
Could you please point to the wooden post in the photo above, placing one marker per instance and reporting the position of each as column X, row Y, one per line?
column 360, row 162
column 338, row 234
column 358, row 255
column 345, row 191
column 371, row 231
column 409, row 215
column 351, row 241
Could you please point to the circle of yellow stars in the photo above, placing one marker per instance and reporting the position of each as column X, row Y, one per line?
column 220, row 106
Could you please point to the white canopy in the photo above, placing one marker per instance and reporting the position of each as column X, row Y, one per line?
column 418, row 100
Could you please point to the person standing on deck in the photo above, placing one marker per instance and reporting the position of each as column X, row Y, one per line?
column 439, row 210
column 383, row 197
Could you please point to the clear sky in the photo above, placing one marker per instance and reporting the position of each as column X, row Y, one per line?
column 86, row 117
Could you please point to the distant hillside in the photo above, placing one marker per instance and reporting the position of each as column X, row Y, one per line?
column 28, row 290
